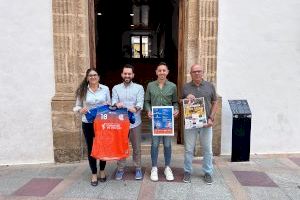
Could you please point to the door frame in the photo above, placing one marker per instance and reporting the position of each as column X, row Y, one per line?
column 181, row 49
column 92, row 37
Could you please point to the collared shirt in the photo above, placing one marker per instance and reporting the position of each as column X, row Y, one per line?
column 165, row 96
column 100, row 97
column 131, row 95
column 205, row 89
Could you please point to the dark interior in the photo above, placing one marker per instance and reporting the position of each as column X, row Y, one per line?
column 119, row 23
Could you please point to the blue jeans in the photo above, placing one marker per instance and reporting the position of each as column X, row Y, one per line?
column 167, row 141
column 190, row 136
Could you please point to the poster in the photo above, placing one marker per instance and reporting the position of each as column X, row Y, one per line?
column 162, row 121
column 194, row 113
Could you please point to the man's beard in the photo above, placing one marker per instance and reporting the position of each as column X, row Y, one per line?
column 127, row 80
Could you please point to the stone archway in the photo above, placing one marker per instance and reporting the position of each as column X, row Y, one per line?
column 72, row 56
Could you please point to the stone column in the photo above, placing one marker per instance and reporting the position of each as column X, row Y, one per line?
column 201, row 47
column 71, row 57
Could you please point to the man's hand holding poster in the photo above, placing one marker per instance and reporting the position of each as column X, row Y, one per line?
column 194, row 113
column 162, row 121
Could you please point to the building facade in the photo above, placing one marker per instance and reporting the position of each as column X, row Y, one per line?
column 242, row 45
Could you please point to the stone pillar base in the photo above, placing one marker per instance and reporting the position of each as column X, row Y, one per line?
column 67, row 140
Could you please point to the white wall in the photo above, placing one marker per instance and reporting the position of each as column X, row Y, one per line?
column 259, row 60
column 26, row 81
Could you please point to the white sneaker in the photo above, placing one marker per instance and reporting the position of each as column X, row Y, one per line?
column 154, row 175
column 169, row 174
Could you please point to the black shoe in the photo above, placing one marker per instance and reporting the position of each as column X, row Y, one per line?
column 208, row 179
column 103, row 179
column 186, row 177
column 94, row 183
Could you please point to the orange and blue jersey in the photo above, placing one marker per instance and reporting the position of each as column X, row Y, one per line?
column 111, row 127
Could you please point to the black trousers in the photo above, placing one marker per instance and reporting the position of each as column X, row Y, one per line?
column 88, row 131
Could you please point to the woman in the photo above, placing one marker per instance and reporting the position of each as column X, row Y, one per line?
column 89, row 94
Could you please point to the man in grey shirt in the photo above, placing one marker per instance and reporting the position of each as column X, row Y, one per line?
column 131, row 96
column 195, row 89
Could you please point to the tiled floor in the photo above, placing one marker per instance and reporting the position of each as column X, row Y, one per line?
column 253, row 178
column 269, row 177
column 295, row 160
column 39, row 187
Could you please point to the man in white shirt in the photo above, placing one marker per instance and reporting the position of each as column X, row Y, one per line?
column 131, row 96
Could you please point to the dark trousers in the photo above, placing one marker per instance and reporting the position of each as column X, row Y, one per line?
column 88, row 131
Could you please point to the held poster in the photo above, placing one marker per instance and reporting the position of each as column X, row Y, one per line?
column 194, row 113
column 162, row 121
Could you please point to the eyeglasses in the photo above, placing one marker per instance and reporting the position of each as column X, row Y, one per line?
column 197, row 72
column 93, row 75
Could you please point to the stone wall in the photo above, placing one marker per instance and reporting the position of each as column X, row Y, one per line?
column 71, row 56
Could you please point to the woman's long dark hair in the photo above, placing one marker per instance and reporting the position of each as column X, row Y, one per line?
column 82, row 89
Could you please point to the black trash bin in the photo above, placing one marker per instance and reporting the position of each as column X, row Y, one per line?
column 241, row 130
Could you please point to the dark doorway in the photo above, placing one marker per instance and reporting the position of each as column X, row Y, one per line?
column 138, row 32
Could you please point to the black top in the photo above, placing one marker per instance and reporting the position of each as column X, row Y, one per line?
column 239, row 107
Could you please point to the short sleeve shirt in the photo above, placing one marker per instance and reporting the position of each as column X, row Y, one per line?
column 205, row 89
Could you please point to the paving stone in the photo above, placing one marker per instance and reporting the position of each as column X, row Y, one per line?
column 266, row 193
column 121, row 190
column 38, row 187
column 296, row 160
column 269, row 163
column 215, row 191
column 40, row 171
column 9, row 184
column 244, row 166
column 82, row 188
column 168, row 190
column 288, row 181
column 254, row 178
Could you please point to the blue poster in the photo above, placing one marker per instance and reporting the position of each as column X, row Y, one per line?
column 162, row 120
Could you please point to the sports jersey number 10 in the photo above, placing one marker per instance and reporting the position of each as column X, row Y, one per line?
column 103, row 116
